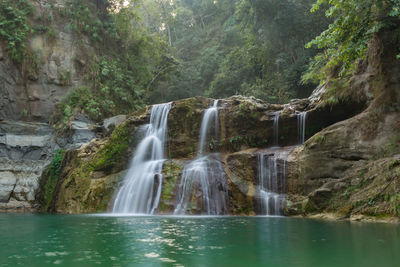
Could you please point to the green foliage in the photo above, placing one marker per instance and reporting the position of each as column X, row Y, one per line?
column 15, row 27
column 275, row 32
column 395, row 202
column 120, row 80
column 201, row 33
column 236, row 142
column 51, row 33
column 65, row 77
column 346, row 39
column 53, row 174
column 248, row 47
column 392, row 146
column 86, row 20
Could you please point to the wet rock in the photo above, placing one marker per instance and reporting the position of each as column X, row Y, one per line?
column 83, row 131
column 7, row 184
column 319, row 199
column 110, row 123
column 25, row 149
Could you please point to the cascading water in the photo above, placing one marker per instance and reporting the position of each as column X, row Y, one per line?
column 210, row 116
column 141, row 190
column 271, row 177
column 203, row 181
column 276, row 127
column 201, row 184
column 301, row 126
column 272, row 182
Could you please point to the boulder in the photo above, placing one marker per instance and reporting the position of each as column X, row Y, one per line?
column 110, row 123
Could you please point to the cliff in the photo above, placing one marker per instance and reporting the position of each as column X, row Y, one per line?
column 31, row 89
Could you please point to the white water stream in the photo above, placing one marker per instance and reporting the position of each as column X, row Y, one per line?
column 301, row 126
column 203, row 180
column 141, row 189
column 272, row 182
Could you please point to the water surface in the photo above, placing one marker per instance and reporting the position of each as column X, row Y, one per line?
column 46, row 240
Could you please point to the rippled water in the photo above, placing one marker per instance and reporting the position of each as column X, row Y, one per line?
column 43, row 240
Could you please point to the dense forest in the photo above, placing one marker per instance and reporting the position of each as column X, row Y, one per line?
column 152, row 51
column 157, row 51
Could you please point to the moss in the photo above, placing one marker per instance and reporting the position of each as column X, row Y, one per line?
column 184, row 126
column 101, row 192
column 236, row 143
column 319, row 139
column 114, row 150
column 247, row 111
column 171, row 174
column 309, row 207
column 65, row 77
column 52, row 174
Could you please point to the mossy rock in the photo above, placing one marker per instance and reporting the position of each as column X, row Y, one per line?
column 241, row 174
column 184, row 123
column 171, row 173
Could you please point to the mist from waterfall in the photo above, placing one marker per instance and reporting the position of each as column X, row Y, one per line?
column 141, row 189
column 203, row 180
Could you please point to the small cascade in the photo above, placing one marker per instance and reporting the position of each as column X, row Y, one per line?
column 203, row 183
column 141, row 190
column 209, row 125
column 301, row 126
column 276, row 127
column 272, row 182
column 200, row 186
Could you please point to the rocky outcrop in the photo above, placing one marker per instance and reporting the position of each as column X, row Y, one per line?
column 246, row 126
column 351, row 168
column 26, row 149
column 90, row 174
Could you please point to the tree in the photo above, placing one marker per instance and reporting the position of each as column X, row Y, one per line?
column 347, row 37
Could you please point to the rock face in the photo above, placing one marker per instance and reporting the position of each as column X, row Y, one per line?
column 337, row 169
column 25, row 149
column 34, row 97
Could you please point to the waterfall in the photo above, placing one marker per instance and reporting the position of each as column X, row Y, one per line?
column 203, row 180
column 210, row 115
column 201, row 183
column 301, row 126
column 276, row 127
column 141, row 189
column 272, row 184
